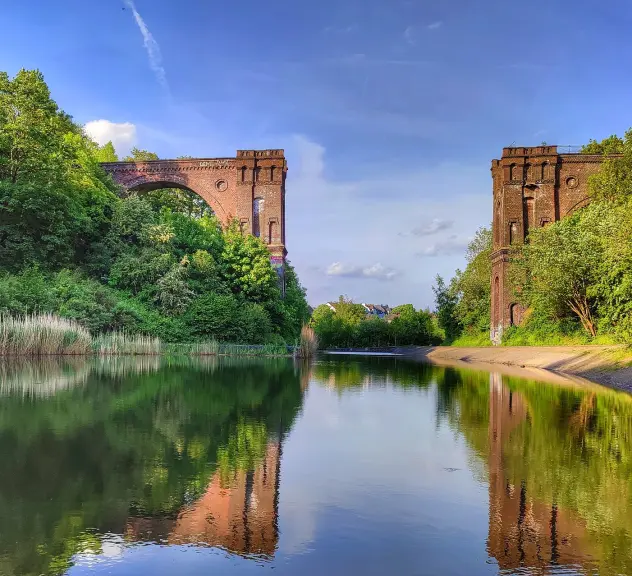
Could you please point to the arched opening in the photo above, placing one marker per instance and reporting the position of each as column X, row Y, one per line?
column 496, row 319
column 515, row 314
column 257, row 216
column 513, row 232
column 177, row 197
column 272, row 170
column 513, row 172
column 545, row 171
column 528, row 214
column 272, row 228
column 243, row 173
column 497, row 225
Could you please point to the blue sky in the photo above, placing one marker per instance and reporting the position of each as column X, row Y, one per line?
column 389, row 111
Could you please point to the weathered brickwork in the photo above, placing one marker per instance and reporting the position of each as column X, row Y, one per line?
column 532, row 187
column 249, row 188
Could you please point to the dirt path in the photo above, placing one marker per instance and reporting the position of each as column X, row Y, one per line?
column 607, row 365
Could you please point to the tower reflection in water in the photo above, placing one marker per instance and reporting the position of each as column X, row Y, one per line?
column 240, row 516
column 525, row 533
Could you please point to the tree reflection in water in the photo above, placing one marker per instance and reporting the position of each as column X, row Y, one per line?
column 189, row 452
column 179, row 452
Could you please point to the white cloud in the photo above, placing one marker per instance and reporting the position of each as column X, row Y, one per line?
column 151, row 46
column 435, row 25
column 410, row 36
column 437, row 225
column 122, row 135
column 354, row 224
column 375, row 272
column 452, row 245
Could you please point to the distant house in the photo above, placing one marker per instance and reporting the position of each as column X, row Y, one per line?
column 377, row 310
column 332, row 305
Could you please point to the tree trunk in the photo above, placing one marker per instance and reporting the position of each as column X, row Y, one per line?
column 579, row 305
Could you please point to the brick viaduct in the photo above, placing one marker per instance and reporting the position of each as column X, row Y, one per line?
column 532, row 187
column 249, row 188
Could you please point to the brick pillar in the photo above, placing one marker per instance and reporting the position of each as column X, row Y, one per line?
column 261, row 201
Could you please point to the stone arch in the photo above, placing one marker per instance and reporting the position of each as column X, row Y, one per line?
column 147, row 183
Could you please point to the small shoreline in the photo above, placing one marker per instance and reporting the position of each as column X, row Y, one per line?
column 609, row 366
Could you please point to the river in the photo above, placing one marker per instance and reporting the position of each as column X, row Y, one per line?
column 134, row 466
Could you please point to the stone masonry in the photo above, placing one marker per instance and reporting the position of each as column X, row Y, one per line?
column 532, row 187
column 249, row 188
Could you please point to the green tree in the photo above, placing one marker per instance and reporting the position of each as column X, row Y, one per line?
column 106, row 153
column 611, row 145
column 246, row 266
column 561, row 263
column 473, row 285
column 613, row 182
column 446, row 301
column 137, row 155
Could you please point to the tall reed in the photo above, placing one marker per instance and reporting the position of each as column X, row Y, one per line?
column 121, row 343
column 308, row 344
column 42, row 335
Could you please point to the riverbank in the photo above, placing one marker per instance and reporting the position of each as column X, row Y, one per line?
column 607, row 365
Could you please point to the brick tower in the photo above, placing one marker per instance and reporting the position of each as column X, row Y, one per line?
column 532, row 187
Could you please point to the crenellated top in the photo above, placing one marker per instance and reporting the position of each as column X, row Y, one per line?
column 529, row 151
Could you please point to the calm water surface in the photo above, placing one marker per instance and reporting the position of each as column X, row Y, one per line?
column 349, row 466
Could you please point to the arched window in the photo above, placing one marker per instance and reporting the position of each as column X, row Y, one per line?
column 497, row 225
column 257, row 170
column 257, row 211
column 272, row 169
column 271, row 231
column 513, row 172
column 496, row 319
column 243, row 173
column 513, row 232
column 545, row 171
column 529, row 214
column 515, row 314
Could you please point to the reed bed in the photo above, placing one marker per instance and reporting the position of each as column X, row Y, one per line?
column 308, row 344
column 123, row 344
column 42, row 335
column 50, row 335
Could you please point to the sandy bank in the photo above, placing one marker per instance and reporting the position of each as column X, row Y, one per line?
column 607, row 365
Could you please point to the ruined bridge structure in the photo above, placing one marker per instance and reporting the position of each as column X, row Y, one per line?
column 249, row 188
column 532, row 187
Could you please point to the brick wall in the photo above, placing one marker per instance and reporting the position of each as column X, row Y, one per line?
column 249, row 187
column 532, row 187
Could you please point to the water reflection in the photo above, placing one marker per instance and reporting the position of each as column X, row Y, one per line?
column 102, row 456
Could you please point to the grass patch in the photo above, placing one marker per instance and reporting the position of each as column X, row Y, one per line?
column 472, row 340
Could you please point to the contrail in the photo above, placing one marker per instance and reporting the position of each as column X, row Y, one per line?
column 151, row 46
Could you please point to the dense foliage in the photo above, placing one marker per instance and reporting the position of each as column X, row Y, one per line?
column 350, row 327
column 463, row 305
column 159, row 263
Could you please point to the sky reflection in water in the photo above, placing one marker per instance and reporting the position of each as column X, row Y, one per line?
column 351, row 465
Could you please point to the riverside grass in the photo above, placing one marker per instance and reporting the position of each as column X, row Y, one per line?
column 50, row 335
